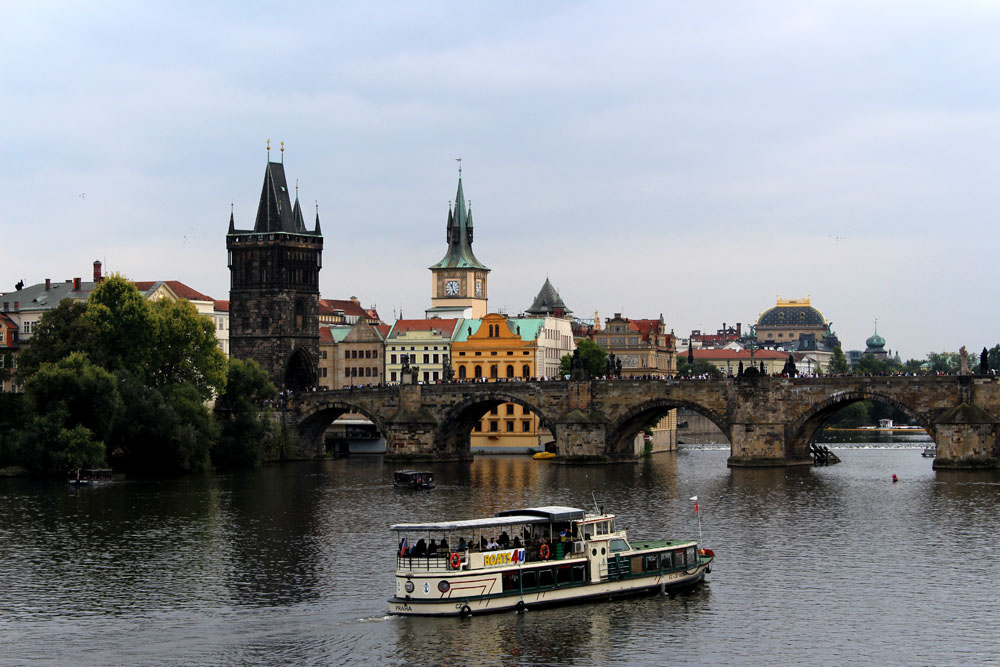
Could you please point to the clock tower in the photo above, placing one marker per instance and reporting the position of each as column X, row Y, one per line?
column 458, row 284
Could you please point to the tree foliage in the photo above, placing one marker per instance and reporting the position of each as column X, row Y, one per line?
column 698, row 368
column 838, row 363
column 595, row 359
column 244, row 428
column 57, row 334
column 184, row 349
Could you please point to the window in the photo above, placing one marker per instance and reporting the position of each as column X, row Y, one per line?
column 347, row 372
column 494, row 372
column 564, row 575
column 392, row 376
column 650, row 563
column 374, row 372
column 510, row 408
column 511, row 581
column 374, row 354
column 510, row 426
column 427, row 377
column 392, row 359
column 461, row 372
column 436, row 359
column 666, row 562
column 526, row 426
column 510, row 371
column 479, row 371
column 478, row 426
column 529, row 578
column 494, row 427
column 324, row 371
column 545, row 578
column 526, row 371
column 427, row 358
column 493, row 411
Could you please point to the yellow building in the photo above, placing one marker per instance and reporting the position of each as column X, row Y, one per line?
column 499, row 349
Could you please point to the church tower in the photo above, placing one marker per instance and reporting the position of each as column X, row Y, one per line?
column 458, row 283
column 274, row 286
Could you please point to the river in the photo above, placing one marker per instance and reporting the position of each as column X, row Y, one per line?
column 292, row 564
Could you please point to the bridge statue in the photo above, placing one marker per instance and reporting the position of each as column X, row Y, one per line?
column 769, row 421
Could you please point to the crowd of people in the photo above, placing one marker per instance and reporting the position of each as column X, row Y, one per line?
column 533, row 543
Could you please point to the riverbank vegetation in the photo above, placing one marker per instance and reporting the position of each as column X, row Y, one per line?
column 126, row 382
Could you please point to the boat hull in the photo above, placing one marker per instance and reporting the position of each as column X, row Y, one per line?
column 538, row 599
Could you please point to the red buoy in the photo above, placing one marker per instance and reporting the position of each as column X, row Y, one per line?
column 894, row 478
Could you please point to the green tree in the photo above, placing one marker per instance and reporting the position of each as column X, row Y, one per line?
column 699, row 367
column 838, row 363
column 59, row 332
column 595, row 359
column 71, row 407
column 125, row 325
column 185, row 349
column 239, row 409
column 943, row 362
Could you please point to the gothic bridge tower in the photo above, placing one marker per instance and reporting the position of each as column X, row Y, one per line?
column 274, row 286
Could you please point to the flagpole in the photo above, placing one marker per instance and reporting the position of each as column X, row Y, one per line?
column 695, row 499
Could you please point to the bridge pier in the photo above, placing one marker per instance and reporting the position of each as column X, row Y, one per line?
column 967, row 439
column 583, row 439
column 764, row 445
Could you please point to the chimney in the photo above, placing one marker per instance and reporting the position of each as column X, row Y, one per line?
column 48, row 284
column 6, row 305
column 17, row 305
column 76, row 284
column 355, row 301
column 97, row 272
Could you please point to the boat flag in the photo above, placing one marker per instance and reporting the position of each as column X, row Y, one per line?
column 695, row 499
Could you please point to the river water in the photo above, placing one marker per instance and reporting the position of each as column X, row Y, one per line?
column 292, row 564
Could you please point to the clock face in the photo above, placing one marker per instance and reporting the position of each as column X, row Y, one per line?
column 451, row 287
column 479, row 288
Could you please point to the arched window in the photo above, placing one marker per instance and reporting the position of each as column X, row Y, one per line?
column 461, row 372
column 510, row 371
column 526, row 371
column 479, row 371
column 493, row 371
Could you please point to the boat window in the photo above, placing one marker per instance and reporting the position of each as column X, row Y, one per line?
column 564, row 574
column 602, row 527
column 692, row 557
column 679, row 558
column 651, row 563
column 579, row 573
column 511, row 581
column 666, row 562
column 618, row 545
column 529, row 578
column 545, row 578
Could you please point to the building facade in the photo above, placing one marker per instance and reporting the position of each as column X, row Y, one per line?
column 422, row 345
column 644, row 347
column 274, row 286
column 788, row 320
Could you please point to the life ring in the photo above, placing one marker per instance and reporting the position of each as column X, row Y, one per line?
column 544, row 552
column 465, row 611
column 456, row 560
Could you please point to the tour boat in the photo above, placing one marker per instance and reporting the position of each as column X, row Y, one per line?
column 413, row 479
column 929, row 452
column 89, row 476
column 533, row 557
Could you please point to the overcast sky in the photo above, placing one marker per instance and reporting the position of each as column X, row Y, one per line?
column 695, row 159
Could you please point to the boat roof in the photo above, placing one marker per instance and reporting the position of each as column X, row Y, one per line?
column 506, row 518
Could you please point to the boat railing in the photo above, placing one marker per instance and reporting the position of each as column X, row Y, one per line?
column 424, row 563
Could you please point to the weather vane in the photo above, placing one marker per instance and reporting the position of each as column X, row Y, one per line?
column 283, row 160
column 459, row 160
column 269, row 150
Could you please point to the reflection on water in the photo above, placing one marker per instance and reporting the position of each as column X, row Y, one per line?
column 292, row 564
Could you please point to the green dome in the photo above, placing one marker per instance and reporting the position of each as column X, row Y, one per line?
column 875, row 342
column 792, row 313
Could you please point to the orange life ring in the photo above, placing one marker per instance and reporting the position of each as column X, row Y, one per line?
column 544, row 552
column 456, row 559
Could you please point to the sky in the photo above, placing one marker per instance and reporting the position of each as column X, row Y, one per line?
column 695, row 159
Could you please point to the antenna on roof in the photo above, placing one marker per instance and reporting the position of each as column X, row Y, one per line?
column 459, row 160
column 596, row 506
column 283, row 162
column 268, row 150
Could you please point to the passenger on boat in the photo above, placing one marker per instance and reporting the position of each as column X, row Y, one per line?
column 517, row 542
column 504, row 540
column 492, row 544
column 432, row 548
column 443, row 546
column 461, row 544
column 420, row 549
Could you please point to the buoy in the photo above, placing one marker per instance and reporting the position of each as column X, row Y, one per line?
column 894, row 478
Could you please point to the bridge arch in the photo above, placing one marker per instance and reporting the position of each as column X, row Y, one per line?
column 452, row 436
column 314, row 421
column 623, row 430
column 801, row 431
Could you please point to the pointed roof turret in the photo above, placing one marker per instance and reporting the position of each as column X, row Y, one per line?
column 459, row 255
column 232, row 221
column 300, row 224
column 274, row 213
column 548, row 301
column 317, row 230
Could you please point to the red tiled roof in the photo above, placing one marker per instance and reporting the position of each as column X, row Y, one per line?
column 383, row 330
column 327, row 306
column 176, row 286
column 446, row 327
column 325, row 336
column 222, row 306
column 709, row 355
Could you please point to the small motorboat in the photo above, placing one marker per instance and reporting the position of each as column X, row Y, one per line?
column 929, row 452
column 89, row 476
column 413, row 479
column 543, row 456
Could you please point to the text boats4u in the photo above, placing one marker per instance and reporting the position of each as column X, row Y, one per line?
column 546, row 556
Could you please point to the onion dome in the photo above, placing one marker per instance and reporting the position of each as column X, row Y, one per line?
column 875, row 342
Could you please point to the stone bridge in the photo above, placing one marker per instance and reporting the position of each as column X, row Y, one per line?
column 769, row 421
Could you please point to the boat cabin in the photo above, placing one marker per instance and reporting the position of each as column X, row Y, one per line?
column 413, row 479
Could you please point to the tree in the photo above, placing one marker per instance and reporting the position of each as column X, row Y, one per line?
column 71, row 407
column 185, row 349
column 59, row 332
column 943, row 362
column 595, row 359
column 238, row 408
column 125, row 326
column 838, row 363
column 699, row 367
